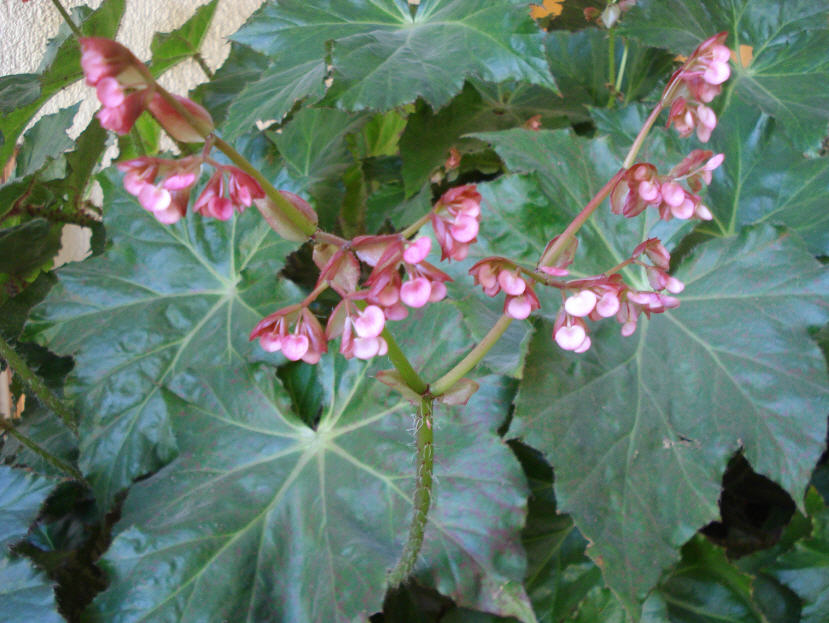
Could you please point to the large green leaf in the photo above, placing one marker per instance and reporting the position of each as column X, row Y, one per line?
column 21, row 495
column 263, row 518
column 26, row 595
column 60, row 68
column 46, row 140
column 429, row 135
column 161, row 299
column 170, row 48
column 804, row 569
column 763, row 179
column 788, row 40
column 733, row 367
column 382, row 56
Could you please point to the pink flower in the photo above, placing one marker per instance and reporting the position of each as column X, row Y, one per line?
column 494, row 274
column 306, row 341
column 455, row 219
column 360, row 330
column 695, row 84
column 122, row 117
column 242, row 189
column 104, row 58
column 174, row 123
column 162, row 186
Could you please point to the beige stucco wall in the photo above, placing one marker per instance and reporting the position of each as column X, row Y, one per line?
column 25, row 29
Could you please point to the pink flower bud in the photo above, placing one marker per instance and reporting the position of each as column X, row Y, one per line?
column 415, row 293
column 176, row 125
column 370, row 322
column 104, row 58
column 153, row 198
column 121, row 118
column 417, row 250
column 464, row 229
column 608, row 305
column 570, row 337
column 581, row 304
column 517, row 307
column 294, row 346
column 109, row 92
column 511, row 283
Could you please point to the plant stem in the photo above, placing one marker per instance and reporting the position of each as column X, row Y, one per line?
column 617, row 87
column 640, row 138
column 611, row 58
column 424, row 438
column 552, row 252
column 415, row 227
column 203, row 65
column 67, row 18
column 38, row 387
column 50, row 458
column 403, row 366
column 445, row 383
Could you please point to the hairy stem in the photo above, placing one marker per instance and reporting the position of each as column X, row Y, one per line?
column 445, row 383
column 38, row 387
column 47, row 456
column 67, row 18
column 415, row 227
column 424, row 439
column 399, row 361
column 203, row 65
column 552, row 253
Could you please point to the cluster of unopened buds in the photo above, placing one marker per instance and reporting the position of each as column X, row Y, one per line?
column 696, row 84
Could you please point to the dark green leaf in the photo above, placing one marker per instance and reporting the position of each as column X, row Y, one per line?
column 18, row 91
column 263, row 518
column 429, row 135
column 27, row 248
column 804, row 570
column 788, row 40
column 25, row 594
column 733, row 367
column 315, row 153
column 580, row 63
column 763, row 179
column 706, row 586
column 161, row 299
column 46, row 140
column 383, row 57
column 242, row 66
column 170, row 48
column 61, row 68
column 21, row 496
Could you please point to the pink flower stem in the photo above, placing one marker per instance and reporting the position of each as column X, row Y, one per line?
column 619, row 266
column 412, row 229
column 643, row 133
column 557, row 248
column 448, row 380
column 321, row 287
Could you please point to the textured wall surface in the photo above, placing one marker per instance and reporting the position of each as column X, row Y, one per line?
column 25, row 29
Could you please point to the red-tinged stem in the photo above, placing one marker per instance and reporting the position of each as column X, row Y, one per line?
column 319, row 289
column 324, row 236
column 643, row 133
column 552, row 253
column 619, row 266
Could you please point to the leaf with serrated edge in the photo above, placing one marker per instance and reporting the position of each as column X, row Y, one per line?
column 162, row 298
column 262, row 518
column 21, row 495
column 26, row 594
column 788, row 38
column 733, row 367
column 171, row 48
column 374, row 45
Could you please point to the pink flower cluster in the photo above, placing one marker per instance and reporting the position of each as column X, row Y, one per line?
column 126, row 89
column 495, row 274
column 293, row 330
column 455, row 221
column 641, row 187
column 400, row 279
column 606, row 296
column 695, row 84
column 163, row 187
